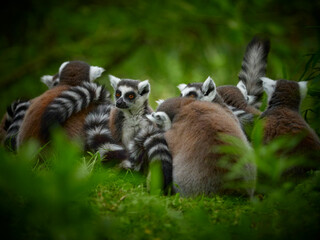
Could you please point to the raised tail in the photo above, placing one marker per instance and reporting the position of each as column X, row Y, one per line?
column 254, row 67
column 70, row 102
column 15, row 115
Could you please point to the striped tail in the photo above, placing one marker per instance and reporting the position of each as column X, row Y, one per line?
column 253, row 67
column 98, row 136
column 70, row 102
column 243, row 116
column 150, row 145
column 15, row 115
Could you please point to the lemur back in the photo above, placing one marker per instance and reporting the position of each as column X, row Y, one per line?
column 192, row 139
column 14, row 116
column 42, row 113
column 282, row 118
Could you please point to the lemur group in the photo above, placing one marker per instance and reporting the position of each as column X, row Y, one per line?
column 183, row 134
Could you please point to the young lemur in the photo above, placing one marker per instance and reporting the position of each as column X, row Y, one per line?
column 245, row 98
column 12, row 119
column 282, row 118
column 67, row 103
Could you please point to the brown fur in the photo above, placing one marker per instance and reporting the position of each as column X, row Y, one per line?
column 192, row 139
column 282, row 118
column 73, row 126
column 232, row 96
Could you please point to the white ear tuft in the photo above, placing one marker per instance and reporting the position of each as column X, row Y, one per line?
column 303, row 88
column 208, row 86
column 95, row 72
column 269, row 86
column 144, row 87
column 181, row 86
column 159, row 102
column 62, row 67
column 114, row 81
column 243, row 89
column 47, row 80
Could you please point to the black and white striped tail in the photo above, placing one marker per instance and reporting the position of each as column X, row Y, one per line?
column 70, row 102
column 98, row 136
column 254, row 67
column 150, row 145
column 15, row 115
column 243, row 116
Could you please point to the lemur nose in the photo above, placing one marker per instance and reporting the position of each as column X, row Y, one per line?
column 121, row 104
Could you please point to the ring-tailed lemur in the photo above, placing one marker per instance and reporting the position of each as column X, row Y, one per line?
column 16, row 112
column 282, row 118
column 245, row 98
column 119, row 132
column 71, row 74
column 192, row 139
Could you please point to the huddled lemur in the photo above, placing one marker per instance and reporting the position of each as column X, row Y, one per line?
column 12, row 119
column 193, row 140
column 245, row 98
column 66, row 104
column 282, row 118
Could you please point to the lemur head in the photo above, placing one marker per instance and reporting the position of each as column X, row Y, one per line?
column 284, row 92
column 130, row 94
column 75, row 72
column 50, row 81
column 205, row 91
column 161, row 119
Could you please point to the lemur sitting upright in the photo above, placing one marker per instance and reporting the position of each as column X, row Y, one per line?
column 111, row 130
column 12, row 119
column 282, row 118
column 245, row 98
column 57, row 105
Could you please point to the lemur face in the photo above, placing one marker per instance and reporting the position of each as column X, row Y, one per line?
column 161, row 119
column 202, row 91
column 130, row 94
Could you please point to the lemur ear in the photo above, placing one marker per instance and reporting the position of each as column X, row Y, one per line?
column 269, row 85
column 243, row 89
column 114, row 81
column 144, row 87
column 62, row 67
column 303, row 88
column 181, row 86
column 47, row 80
column 95, row 72
column 208, row 86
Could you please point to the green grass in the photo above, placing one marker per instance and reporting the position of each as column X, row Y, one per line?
column 69, row 196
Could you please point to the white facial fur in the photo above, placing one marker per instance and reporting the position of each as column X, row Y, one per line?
column 159, row 102
column 209, row 85
column 95, row 72
column 303, row 89
column 243, row 89
column 269, row 86
column 114, row 81
column 161, row 119
column 62, row 67
column 185, row 91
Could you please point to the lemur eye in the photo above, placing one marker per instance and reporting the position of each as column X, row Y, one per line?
column 131, row 96
column 118, row 94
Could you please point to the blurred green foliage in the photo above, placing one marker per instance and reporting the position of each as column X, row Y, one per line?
column 168, row 42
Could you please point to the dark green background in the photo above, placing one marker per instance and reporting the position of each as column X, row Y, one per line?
column 167, row 42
